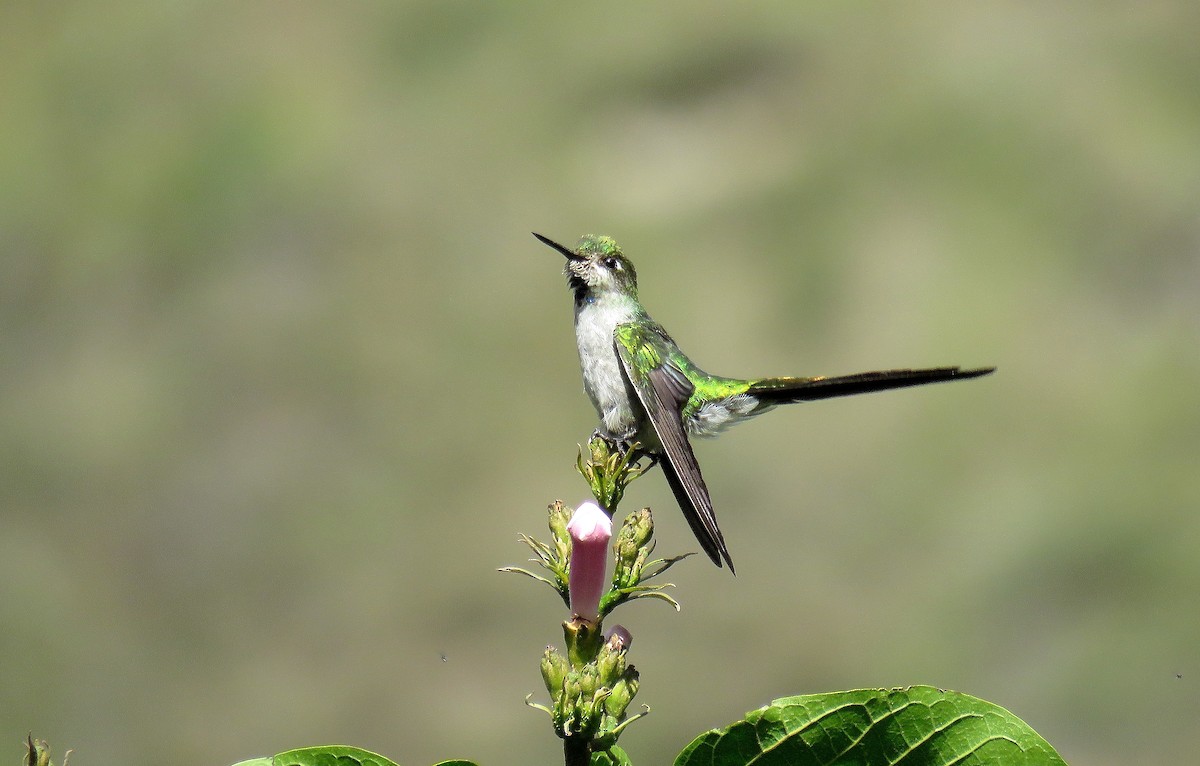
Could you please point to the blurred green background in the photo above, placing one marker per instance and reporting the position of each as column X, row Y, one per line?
column 284, row 373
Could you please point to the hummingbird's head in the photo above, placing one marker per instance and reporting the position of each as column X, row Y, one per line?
column 596, row 266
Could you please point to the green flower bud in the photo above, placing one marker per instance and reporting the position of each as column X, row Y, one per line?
column 560, row 515
column 589, row 705
column 642, row 524
column 589, row 681
column 623, row 692
column 632, row 548
column 583, row 639
column 564, row 715
column 610, row 663
column 38, row 752
column 554, row 672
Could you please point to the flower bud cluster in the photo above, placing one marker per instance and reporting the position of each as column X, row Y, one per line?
column 608, row 470
column 633, row 548
column 590, row 699
column 592, row 685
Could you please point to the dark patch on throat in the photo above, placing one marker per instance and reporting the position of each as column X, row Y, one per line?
column 578, row 286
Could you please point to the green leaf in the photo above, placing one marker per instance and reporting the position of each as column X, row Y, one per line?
column 913, row 726
column 330, row 755
column 615, row 756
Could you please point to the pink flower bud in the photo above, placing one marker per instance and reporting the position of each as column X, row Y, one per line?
column 590, row 529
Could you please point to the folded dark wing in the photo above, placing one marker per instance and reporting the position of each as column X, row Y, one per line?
column 663, row 389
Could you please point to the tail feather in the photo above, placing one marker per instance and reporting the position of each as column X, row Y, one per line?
column 786, row 390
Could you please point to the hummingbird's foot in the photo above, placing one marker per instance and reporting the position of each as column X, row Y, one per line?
column 649, row 456
column 633, row 452
column 625, row 447
column 619, row 444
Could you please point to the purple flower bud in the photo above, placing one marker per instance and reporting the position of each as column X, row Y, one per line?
column 590, row 529
column 618, row 637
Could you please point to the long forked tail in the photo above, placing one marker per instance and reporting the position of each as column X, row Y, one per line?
column 785, row 390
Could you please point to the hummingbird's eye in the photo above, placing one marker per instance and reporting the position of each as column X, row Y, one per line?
column 612, row 263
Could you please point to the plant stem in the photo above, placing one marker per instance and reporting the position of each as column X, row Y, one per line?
column 577, row 751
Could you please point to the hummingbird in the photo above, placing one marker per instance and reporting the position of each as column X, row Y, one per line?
column 648, row 393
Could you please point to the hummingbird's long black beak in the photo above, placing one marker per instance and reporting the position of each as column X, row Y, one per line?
column 547, row 241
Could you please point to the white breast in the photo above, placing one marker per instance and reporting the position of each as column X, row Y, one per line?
column 603, row 380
